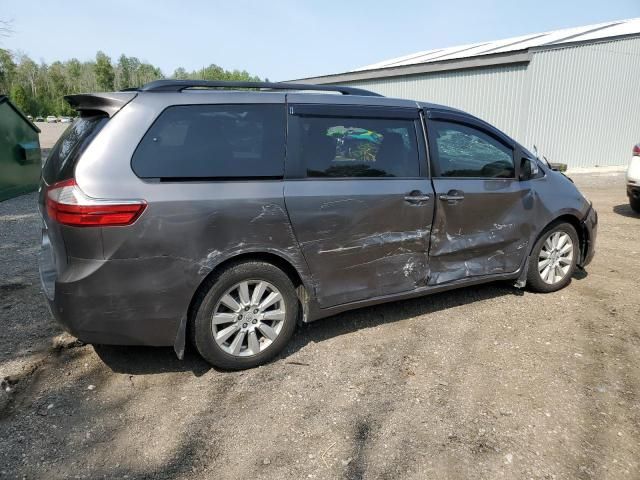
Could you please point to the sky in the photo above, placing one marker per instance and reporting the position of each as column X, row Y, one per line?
column 281, row 39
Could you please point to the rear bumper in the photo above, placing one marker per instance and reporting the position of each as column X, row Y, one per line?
column 590, row 233
column 96, row 326
column 121, row 302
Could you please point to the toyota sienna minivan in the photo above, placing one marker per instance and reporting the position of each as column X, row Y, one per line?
column 228, row 212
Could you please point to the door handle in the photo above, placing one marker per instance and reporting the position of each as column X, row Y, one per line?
column 416, row 197
column 452, row 196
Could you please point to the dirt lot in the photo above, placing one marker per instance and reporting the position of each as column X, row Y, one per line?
column 485, row 382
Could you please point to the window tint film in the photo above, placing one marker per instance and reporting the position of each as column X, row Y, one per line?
column 359, row 147
column 214, row 141
column 467, row 152
column 64, row 155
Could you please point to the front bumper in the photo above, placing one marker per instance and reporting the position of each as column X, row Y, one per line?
column 589, row 234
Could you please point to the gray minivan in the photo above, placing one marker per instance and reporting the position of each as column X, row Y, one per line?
column 228, row 212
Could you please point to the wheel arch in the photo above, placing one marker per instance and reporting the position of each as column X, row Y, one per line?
column 279, row 261
column 572, row 220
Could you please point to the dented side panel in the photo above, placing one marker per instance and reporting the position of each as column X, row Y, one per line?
column 485, row 233
column 147, row 273
column 360, row 237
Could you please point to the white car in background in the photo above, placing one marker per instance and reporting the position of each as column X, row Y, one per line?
column 633, row 179
column 65, row 119
column 52, row 119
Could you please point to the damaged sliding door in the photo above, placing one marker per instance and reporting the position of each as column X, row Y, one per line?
column 361, row 205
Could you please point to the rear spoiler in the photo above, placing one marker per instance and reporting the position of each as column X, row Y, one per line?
column 108, row 103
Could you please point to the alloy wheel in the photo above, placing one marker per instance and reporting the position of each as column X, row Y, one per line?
column 248, row 318
column 556, row 257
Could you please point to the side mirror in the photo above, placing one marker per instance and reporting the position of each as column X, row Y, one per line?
column 528, row 168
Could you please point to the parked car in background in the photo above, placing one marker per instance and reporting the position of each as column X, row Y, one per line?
column 170, row 211
column 633, row 179
column 30, row 118
column 65, row 119
column 52, row 119
column 39, row 119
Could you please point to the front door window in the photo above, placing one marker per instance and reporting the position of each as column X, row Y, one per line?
column 466, row 152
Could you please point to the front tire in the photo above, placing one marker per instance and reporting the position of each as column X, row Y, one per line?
column 635, row 204
column 246, row 316
column 553, row 259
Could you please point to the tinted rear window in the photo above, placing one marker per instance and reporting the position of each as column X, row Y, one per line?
column 214, row 141
column 359, row 147
column 64, row 155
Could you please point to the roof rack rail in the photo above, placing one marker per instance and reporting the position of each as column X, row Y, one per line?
column 180, row 85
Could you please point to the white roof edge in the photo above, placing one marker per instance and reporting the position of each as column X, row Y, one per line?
column 585, row 33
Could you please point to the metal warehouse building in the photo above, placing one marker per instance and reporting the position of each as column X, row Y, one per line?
column 574, row 93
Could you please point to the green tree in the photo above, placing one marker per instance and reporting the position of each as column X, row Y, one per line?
column 58, row 85
column 27, row 73
column 147, row 73
column 123, row 73
column 19, row 98
column 215, row 72
column 39, row 89
column 7, row 70
column 180, row 74
column 104, row 72
column 74, row 74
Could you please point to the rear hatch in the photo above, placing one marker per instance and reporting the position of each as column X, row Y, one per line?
column 59, row 168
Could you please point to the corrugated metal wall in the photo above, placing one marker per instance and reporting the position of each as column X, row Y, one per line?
column 493, row 94
column 580, row 105
column 584, row 103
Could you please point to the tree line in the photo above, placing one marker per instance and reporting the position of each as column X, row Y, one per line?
column 38, row 89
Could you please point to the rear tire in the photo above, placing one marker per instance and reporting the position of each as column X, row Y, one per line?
column 635, row 204
column 245, row 317
column 553, row 259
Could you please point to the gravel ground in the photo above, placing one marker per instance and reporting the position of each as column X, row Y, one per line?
column 484, row 382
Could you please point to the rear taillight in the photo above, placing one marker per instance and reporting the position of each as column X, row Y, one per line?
column 636, row 150
column 69, row 205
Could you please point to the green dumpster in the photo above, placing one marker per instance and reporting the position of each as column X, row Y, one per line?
column 20, row 158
